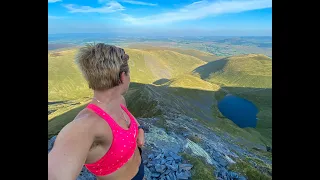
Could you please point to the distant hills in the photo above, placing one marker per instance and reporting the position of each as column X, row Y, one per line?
column 185, row 81
column 180, row 86
column 53, row 46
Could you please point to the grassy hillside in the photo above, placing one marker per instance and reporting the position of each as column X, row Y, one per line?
column 192, row 82
column 65, row 83
column 205, row 56
column 145, row 100
column 172, row 80
column 64, row 79
column 252, row 70
column 148, row 66
column 249, row 77
column 162, row 80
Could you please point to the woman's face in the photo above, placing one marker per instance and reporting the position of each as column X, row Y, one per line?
column 125, row 78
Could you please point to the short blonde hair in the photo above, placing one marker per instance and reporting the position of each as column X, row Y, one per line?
column 102, row 64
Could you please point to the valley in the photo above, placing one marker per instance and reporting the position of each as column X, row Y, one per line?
column 175, row 92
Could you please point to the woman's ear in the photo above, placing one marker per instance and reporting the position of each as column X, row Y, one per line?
column 122, row 77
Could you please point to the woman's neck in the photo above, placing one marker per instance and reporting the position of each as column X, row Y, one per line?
column 106, row 96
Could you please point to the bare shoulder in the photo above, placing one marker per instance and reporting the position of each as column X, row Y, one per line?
column 93, row 122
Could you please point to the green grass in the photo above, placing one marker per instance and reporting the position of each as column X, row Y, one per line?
column 161, row 123
column 262, row 98
column 239, row 71
column 194, row 94
column 140, row 102
column 200, row 170
column 205, row 56
column 192, row 82
column 58, row 122
column 65, row 82
column 246, row 76
column 249, row 171
column 147, row 66
column 64, row 79
column 195, row 139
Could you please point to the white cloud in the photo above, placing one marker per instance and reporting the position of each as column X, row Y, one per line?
column 109, row 7
column 53, row 1
column 139, row 3
column 131, row 2
column 200, row 9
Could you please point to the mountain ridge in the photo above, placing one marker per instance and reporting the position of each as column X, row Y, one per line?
column 182, row 96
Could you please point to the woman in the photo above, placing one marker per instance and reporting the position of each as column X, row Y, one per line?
column 104, row 136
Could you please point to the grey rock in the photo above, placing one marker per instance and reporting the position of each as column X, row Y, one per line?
column 222, row 162
column 166, row 154
column 151, row 156
column 85, row 174
column 147, row 173
column 185, row 167
column 155, row 174
column 160, row 168
column 169, row 162
column 162, row 176
column 158, row 157
column 182, row 175
column 223, row 173
column 188, row 173
column 173, row 176
column 51, row 143
column 173, row 163
column 169, row 158
column 233, row 175
column 156, row 161
column 149, row 165
column 152, row 169
column 174, row 167
column 241, row 178
column 167, row 171
column 175, row 156
column 269, row 149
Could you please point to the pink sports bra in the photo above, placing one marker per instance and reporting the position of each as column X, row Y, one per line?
column 123, row 144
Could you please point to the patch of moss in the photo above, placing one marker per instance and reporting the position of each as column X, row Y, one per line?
column 249, row 171
column 195, row 139
column 200, row 169
column 162, row 123
column 262, row 153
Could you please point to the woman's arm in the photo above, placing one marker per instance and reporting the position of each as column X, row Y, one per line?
column 70, row 150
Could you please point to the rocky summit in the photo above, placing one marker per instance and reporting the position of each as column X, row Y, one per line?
column 162, row 158
column 166, row 165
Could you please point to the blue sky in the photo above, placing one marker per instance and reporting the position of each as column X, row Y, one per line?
column 187, row 17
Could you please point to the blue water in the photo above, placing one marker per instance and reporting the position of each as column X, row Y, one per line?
column 241, row 111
